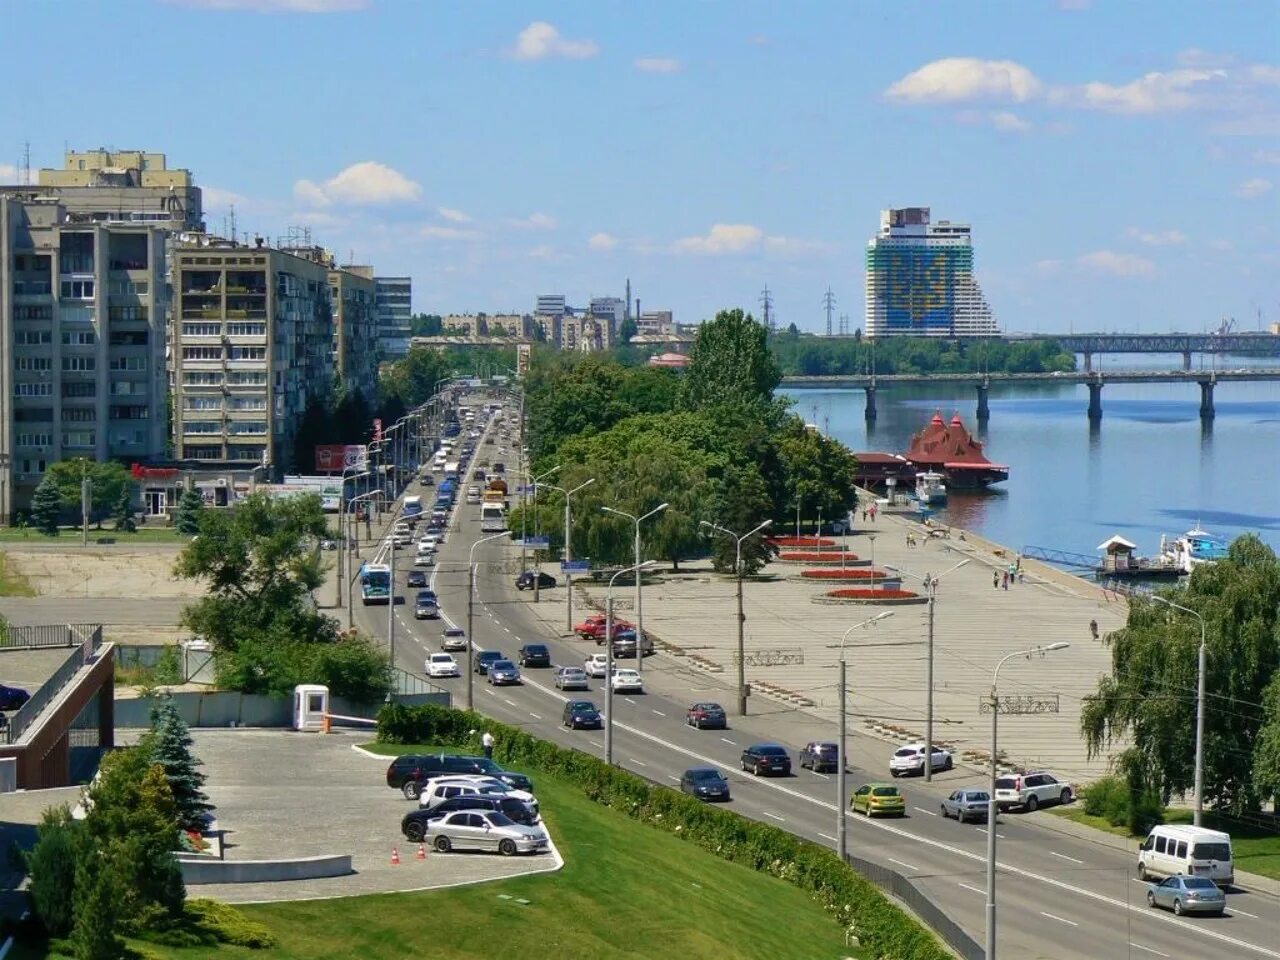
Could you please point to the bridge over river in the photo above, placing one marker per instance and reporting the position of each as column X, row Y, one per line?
column 1094, row 380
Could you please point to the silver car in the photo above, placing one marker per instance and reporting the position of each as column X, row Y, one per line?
column 571, row 678
column 1187, row 895
column 966, row 804
column 484, row 830
column 502, row 672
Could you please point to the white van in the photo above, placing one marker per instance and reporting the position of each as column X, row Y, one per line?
column 1173, row 850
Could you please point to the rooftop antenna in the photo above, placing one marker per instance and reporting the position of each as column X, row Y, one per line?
column 26, row 164
column 766, row 302
column 233, row 223
column 829, row 301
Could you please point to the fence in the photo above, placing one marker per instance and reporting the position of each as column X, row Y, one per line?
column 232, row 709
column 82, row 655
column 405, row 683
column 44, row 636
column 898, row 886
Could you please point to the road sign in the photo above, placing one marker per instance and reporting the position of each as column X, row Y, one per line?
column 575, row 566
column 537, row 543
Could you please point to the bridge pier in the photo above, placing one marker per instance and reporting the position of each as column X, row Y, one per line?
column 1206, row 399
column 870, row 412
column 1088, row 362
column 984, row 411
column 1186, row 359
column 1095, row 401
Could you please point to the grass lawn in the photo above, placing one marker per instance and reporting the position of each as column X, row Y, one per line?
column 1255, row 850
column 12, row 583
column 72, row 535
column 626, row 890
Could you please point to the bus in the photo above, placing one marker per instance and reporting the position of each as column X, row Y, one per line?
column 375, row 583
column 493, row 518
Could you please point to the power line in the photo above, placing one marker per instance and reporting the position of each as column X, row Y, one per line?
column 829, row 301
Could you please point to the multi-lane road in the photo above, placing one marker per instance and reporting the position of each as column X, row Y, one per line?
column 1059, row 896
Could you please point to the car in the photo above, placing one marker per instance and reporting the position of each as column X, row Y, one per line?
column 428, row 480
column 1187, row 895
column 627, row 681
column 624, row 644
column 430, row 541
column 762, row 758
column 426, row 608
column 409, row 771
column 486, row 657
column 966, row 805
column 705, row 783
column 879, row 799
column 442, row 665
column 439, row 789
column 490, row 768
column 485, row 830
column 596, row 665
column 402, row 538
column 1031, row 790
column 499, row 467
column 503, row 673
column 424, row 558
column 909, row 758
column 12, row 698
column 571, row 678
column 707, row 715
column 417, row 578
column 534, row 655
column 416, row 822
column 581, row 715
column 526, row 580
column 593, row 628
column 453, row 638
column 820, row 755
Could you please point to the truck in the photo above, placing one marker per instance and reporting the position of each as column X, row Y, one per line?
column 498, row 484
column 451, row 470
column 375, row 583
column 412, row 508
column 493, row 517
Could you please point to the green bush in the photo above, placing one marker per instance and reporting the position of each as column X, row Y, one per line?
column 1121, row 804
column 1145, row 811
column 52, row 867
column 858, row 905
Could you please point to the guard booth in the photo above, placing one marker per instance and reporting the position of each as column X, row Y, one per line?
column 310, row 704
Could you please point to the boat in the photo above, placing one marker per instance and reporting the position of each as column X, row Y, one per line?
column 1193, row 548
column 1119, row 561
column 931, row 488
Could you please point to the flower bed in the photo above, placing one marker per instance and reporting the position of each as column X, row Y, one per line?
column 801, row 542
column 804, row 556
column 866, row 593
column 855, row 573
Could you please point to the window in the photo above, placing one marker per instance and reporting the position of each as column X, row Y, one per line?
column 248, row 403
column 248, row 353
column 201, row 452
column 247, row 377
column 202, row 426
column 41, row 312
column 201, row 330
column 79, row 338
column 33, row 337
column 33, row 363
column 248, row 426
column 35, row 439
column 246, row 329
column 81, row 364
column 77, row 289
column 79, row 438
column 79, row 388
column 127, row 288
column 79, row 414
column 203, row 403
column 33, row 389
column 33, row 415
column 1181, row 852
column 132, row 412
column 201, row 353
column 128, row 438
column 128, row 388
column 198, row 378
column 255, row 454
column 129, row 338
column 27, row 466
column 133, row 312
column 128, row 363
column 1160, row 844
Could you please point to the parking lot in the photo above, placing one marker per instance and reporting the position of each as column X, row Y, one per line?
column 281, row 794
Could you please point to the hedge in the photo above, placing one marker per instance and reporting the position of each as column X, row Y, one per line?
column 800, row 541
column 808, row 556
column 882, row 927
column 862, row 593
column 853, row 573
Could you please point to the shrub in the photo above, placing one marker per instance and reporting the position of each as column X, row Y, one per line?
column 801, row 542
column 864, row 593
column 1145, row 811
column 1107, row 798
column 853, row 573
column 52, row 867
column 804, row 556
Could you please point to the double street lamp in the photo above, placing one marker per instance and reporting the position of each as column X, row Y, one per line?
column 537, row 577
column 640, row 637
column 471, row 608
column 1199, row 794
column 568, row 548
column 608, row 663
column 349, row 544
column 742, row 617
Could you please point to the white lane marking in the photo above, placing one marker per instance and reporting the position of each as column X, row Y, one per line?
column 984, row 830
column 638, row 763
column 974, row 889
column 510, row 702
column 909, row 866
column 1139, row 946
column 671, row 777
column 822, row 775
column 659, row 713
column 931, row 813
column 728, row 741
column 1052, row 916
column 1251, row 916
column 1060, row 856
column 534, row 715
column 827, row 836
column 488, row 691
column 629, row 700
column 775, row 816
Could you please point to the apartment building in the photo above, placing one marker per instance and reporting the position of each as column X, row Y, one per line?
column 613, row 309
column 551, row 305
column 395, row 310
column 655, row 323
column 547, row 327
column 252, row 346
column 356, row 329
column 585, row 333
column 82, row 335
column 472, row 325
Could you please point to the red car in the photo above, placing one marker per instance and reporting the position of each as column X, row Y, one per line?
column 592, row 628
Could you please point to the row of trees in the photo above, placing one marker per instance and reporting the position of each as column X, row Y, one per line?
column 58, row 498
column 800, row 354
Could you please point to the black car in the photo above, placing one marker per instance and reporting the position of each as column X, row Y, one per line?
column 761, row 758
column 534, row 655
column 417, row 578
column 525, row 580
column 409, row 771
column 428, row 480
column 414, row 823
column 820, row 756
column 489, row 767
column 486, row 657
column 12, row 698
column 707, row 715
column 705, row 783
column 582, row 715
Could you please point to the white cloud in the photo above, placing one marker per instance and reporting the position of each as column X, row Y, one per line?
column 722, row 238
column 1256, row 187
column 1195, row 57
column 963, row 79
column 214, row 197
column 277, row 6
column 1117, row 264
column 1007, row 122
column 8, row 173
column 541, row 41
column 535, row 221
column 602, row 241
column 436, row 232
column 1158, row 238
column 796, row 247
column 367, row 182
column 1151, row 93
column 1266, row 156
column 657, row 65
column 452, row 215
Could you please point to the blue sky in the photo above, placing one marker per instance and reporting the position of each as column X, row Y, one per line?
column 1119, row 162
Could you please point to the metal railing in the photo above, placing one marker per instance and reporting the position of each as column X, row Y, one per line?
column 45, row 636
column 404, row 682
column 896, row 885
column 82, row 655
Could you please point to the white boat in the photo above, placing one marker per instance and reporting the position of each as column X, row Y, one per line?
column 1193, row 548
column 931, row 487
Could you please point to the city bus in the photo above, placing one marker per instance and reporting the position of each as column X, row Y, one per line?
column 375, row 583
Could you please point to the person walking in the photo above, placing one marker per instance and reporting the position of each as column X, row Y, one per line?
column 487, row 742
column 995, row 580
column 1004, row 580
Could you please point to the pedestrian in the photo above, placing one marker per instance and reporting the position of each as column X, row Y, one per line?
column 1093, row 628
column 873, row 513
column 995, row 580
column 1004, row 580
column 864, row 514
column 1013, row 572
column 486, row 741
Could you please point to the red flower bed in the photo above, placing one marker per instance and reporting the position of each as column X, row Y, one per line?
column 851, row 573
column 801, row 542
column 862, row 593
column 831, row 556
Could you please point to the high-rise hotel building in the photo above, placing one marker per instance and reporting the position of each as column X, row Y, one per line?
column 920, row 280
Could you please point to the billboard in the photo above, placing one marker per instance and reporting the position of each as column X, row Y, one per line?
column 328, row 488
column 336, row 457
column 522, row 359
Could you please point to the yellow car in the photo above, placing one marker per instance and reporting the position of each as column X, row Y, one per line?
column 879, row 799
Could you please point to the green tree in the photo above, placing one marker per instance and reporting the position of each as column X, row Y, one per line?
column 742, row 503
column 170, row 745
column 51, row 864
column 123, row 513
column 190, row 508
column 730, row 364
column 46, row 506
column 426, row 325
column 97, row 900
column 413, row 379
column 108, row 481
column 815, row 473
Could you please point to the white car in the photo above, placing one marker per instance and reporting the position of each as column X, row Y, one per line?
column 1031, row 790
column 484, row 830
column 627, row 681
column 909, row 759
column 402, row 538
column 442, row 665
column 596, row 665
column 472, row 783
column 424, row 558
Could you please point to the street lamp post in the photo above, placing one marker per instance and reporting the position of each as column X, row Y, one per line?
column 568, row 549
column 872, row 538
column 931, row 582
column 391, row 598
column 372, row 494
column 1200, row 671
column 471, row 609
column 742, row 617
column 608, row 655
column 992, row 811
column 537, row 577
column 342, row 525
column 639, row 608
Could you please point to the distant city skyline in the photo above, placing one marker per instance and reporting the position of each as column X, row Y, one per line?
column 496, row 153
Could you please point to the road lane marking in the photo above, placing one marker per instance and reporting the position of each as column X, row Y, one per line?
column 534, row 715
column 775, row 816
column 1243, row 914
column 728, row 741
column 984, row 830
column 638, row 763
column 909, row 866
column 1139, row 946
column 659, row 713
column 817, row 774
column 1060, row 856
column 974, row 889
column 629, row 700
column 672, row 777
column 1053, row 916
column 932, row 813
column 827, row 836
column 511, row 702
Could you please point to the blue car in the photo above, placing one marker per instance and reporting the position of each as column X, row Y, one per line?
column 12, row 698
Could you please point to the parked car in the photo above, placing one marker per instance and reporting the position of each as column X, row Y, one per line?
column 486, row 657
column 820, row 755
column 627, row 681
column 490, row 767
column 409, row 771
column 1187, row 895
column 417, row 578
column 624, row 644
column 761, row 758
column 581, row 715
column 909, row 759
column 1031, row 790
column 526, row 580
column 485, row 830
column 503, row 673
column 879, row 799
column 453, row 638
column 442, row 665
column 439, row 789
column 593, row 628
column 534, row 655
column 571, row 678
column 707, row 715
column 596, row 665
column 416, row 822
column 705, row 783
column 12, row 698
column 966, row 805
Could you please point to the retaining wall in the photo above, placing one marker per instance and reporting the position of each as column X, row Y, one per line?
column 201, row 871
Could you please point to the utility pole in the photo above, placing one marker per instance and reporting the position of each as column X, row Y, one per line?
column 391, row 602
column 85, row 486
column 841, row 800
column 766, row 302
column 829, row 301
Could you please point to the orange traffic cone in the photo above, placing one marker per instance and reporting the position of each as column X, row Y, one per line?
column 395, row 857
column 422, row 851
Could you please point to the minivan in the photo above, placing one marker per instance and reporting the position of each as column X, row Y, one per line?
column 1173, row 849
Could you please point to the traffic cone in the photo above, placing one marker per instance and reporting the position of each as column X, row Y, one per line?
column 395, row 857
column 422, row 851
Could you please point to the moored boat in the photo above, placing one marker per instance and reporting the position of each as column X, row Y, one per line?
column 1192, row 549
column 931, row 488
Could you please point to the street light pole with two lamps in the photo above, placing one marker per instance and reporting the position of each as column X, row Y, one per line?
column 639, row 609
column 608, row 663
column 1200, row 670
column 568, row 548
column 471, row 609
column 742, row 617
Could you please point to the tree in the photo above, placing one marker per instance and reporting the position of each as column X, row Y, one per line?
column 97, row 897
column 170, row 745
column 426, row 325
column 123, row 513
column 46, row 506
column 51, row 864
column 730, row 364
column 108, row 480
column 742, row 504
column 190, row 507
column 815, row 473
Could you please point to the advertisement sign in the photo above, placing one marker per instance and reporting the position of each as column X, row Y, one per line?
column 329, row 489
column 522, row 358
column 336, row 457
column 575, row 566
column 537, row 543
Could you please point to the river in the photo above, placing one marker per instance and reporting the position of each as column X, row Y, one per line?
column 1149, row 468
